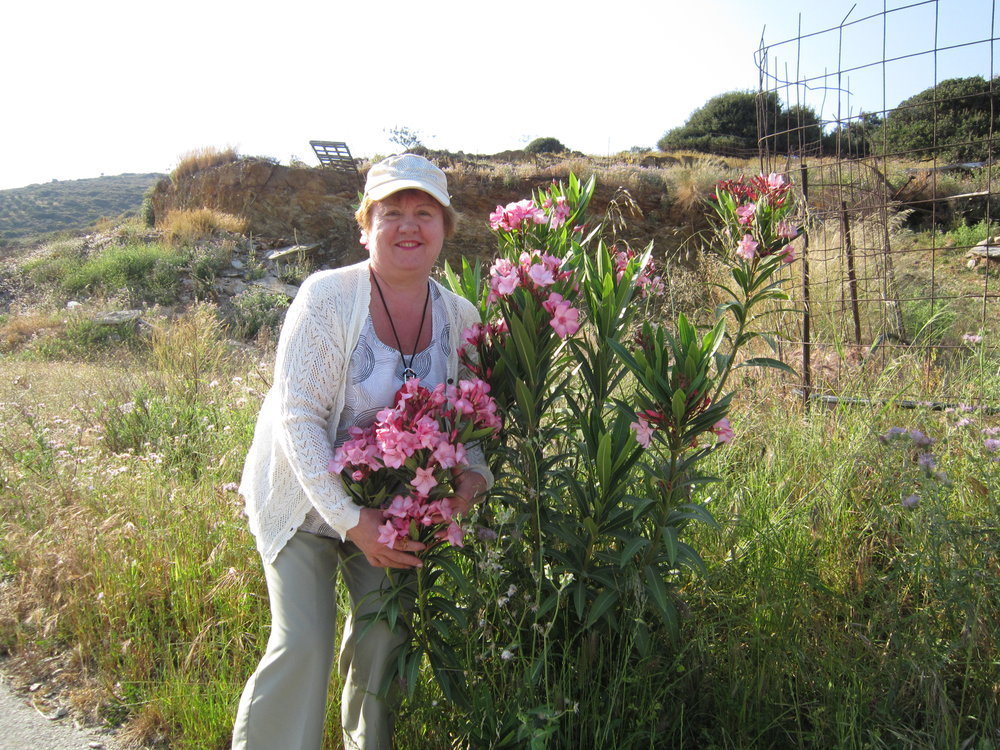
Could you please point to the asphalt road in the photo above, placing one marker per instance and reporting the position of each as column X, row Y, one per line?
column 22, row 727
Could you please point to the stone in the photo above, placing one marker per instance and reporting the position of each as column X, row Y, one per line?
column 274, row 284
column 287, row 252
column 118, row 317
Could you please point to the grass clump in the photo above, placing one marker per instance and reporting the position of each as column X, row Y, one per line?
column 142, row 273
column 184, row 227
column 254, row 310
column 201, row 159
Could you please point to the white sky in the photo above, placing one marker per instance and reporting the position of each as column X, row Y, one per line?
column 112, row 86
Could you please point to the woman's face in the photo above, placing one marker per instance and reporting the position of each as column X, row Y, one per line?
column 406, row 235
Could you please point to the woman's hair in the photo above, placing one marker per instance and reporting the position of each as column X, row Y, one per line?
column 364, row 215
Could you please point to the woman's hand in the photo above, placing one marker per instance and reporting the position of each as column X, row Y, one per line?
column 469, row 488
column 365, row 538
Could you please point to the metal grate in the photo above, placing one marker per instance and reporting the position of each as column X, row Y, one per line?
column 337, row 156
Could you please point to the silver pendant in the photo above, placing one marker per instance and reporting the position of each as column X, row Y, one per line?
column 408, row 374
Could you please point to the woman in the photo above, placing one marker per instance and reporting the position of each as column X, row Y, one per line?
column 350, row 338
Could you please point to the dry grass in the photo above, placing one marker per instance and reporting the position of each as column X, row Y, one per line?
column 18, row 331
column 185, row 226
column 201, row 159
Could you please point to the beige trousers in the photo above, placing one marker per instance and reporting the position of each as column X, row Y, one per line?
column 283, row 706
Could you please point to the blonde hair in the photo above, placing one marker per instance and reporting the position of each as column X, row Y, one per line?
column 364, row 213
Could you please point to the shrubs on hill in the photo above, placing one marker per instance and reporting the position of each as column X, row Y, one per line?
column 545, row 146
column 950, row 121
column 737, row 120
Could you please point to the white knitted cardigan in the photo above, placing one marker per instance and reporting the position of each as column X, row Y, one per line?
column 286, row 472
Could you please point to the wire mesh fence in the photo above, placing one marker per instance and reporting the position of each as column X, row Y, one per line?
column 900, row 276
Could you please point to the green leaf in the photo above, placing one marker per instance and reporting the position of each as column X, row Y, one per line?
column 777, row 364
column 604, row 461
column 678, row 404
column 630, row 550
column 601, row 604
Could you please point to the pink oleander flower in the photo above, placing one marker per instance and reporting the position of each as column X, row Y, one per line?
column 565, row 318
column 560, row 211
column 747, row 248
column 416, row 444
column 775, row 181
column 388, row 535
column 643, row 431
column 512, row 216
column 454, row 534
column 746, row 213
column 400, row 507
column 786, row 230
column 787, row 253
column 474, row 335
column 541, row 274
column 504, row 278
column 424, row 480
column 723, row 431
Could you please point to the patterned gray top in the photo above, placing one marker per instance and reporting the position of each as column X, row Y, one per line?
column 375, row 374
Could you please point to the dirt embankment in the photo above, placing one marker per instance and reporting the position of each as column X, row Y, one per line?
column 286, row 205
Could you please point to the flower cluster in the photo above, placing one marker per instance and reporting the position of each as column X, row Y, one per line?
column 647, row 282
column 920, row 455
column 754, row 215
column 649, row 420
column 553, row 212
column 405, row 461
column 535, row 272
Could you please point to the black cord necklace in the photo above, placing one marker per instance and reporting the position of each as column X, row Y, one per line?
column 408, row 371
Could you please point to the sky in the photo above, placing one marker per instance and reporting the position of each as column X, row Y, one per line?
column 114, row 86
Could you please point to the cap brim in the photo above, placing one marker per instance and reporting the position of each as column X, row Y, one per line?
column 384, row 191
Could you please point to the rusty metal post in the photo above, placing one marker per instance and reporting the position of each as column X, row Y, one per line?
column 852, row 277
column 806, row 313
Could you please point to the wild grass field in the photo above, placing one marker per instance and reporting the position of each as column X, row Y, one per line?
column 850, row 597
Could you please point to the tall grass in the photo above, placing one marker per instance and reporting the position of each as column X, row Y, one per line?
column 830, row 616
column 201, row 159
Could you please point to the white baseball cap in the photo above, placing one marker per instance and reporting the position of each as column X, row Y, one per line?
column 403, row 172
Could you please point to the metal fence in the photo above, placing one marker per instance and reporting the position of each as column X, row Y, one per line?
column 893, row 267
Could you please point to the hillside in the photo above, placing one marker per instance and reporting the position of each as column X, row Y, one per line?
column 69, row 204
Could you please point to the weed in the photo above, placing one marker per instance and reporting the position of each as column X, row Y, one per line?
column 199, row 160
column 183, row 227
column 256, row 309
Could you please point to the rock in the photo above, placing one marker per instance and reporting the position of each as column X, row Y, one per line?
column 990, row 251
column 274, row 284
column 286, row 252
column 73, row 304
column 237, row 264
column 118, row 317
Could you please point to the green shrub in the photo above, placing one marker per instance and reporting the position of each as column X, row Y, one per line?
column 85, row 339
column 967, row 235
column 545, row 146
column 255, row 309
column 143, row 273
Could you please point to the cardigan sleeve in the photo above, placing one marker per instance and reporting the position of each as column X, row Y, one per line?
column 310, row 373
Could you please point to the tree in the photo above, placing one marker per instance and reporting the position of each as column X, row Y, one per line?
column 404, row 137
column 545, row 146
column 727, row 121
column 950, row 121
column 738, row 120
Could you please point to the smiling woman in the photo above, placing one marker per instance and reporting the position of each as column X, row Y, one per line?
column 343, row 354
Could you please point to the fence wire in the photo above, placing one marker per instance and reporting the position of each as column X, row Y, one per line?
column 893, row 268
